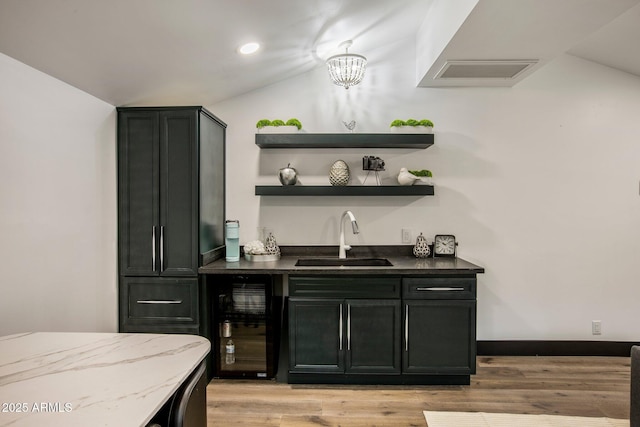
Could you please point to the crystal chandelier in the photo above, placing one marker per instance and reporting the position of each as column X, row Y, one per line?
column 346, row 69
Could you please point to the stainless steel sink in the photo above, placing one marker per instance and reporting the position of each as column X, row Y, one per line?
column 337, row 262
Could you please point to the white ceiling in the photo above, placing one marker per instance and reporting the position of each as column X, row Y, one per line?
column 142, row 52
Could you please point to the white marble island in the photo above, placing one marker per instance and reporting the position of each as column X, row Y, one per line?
column 92, row 379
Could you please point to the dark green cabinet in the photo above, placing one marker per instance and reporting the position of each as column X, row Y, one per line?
column 439, row 337
column 382, row 329
column 439, row 325
column 316, row 335
column 170, row 202
column 358, row 333
column 373, row 336
column 160, row 305
column 344, row 336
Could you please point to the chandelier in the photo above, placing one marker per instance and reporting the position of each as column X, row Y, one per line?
column 346, row 69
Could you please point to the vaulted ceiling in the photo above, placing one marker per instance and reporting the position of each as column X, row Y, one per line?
column 141, row 52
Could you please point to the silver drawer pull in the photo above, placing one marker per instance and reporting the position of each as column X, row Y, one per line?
column 340, row 329
column 161, row 248
column 441, row 289
column 159, row 301
column 153, row 248
column 406, row 328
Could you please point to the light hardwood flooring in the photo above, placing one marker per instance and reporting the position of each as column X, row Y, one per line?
column 580, row 386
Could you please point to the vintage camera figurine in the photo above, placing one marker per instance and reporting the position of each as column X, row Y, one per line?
column 372, row 163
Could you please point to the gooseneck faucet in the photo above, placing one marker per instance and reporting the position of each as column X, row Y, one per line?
column 342, row 254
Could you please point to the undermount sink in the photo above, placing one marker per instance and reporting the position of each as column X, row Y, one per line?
column 337, row 262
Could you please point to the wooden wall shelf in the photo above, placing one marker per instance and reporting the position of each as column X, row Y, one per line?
column 349, row 190
column 344, row 140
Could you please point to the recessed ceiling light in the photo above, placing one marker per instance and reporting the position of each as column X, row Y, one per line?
column 249, row 48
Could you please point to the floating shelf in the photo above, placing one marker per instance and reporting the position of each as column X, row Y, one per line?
column 349, row 190
column 344, row 140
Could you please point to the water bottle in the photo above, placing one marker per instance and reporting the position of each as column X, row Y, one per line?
column 230, row 353
column 232, row 239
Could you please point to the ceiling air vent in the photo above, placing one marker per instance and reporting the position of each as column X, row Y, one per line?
column 477, row 69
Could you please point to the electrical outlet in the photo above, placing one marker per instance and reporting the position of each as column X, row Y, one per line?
column 596, row 327
column 406, row 235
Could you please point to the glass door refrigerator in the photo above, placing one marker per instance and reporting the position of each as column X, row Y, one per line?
column 244, row 321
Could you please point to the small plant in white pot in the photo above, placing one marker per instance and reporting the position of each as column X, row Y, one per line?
column 425, row 176
column 278, row 126
column 411, row 126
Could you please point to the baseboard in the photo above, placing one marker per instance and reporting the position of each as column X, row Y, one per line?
column 555, row 348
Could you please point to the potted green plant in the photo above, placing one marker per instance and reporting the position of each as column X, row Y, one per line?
column 278, row 126
column 425, row 176
column 294, row 122
column 411, row 126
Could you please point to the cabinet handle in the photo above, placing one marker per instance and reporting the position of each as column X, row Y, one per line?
column 441, row 289
column 348, row 327
column 159, row 301
column 153, row 248
column 406, row 327
column 340, row 328
column 161, row 248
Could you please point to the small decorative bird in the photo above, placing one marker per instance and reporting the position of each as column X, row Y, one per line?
column 406, row 178
column 351, row 125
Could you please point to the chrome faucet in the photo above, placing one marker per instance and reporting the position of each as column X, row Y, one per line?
column 342, row 254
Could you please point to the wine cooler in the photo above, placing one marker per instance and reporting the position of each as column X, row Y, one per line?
column 243, row 326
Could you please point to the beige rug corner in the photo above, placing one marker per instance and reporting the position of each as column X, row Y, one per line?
column 485, row 419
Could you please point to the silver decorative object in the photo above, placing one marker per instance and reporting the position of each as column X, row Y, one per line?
column 339, row 173
column 421, row 249
column 288, row 175
column 271, row 246
column 351, row 125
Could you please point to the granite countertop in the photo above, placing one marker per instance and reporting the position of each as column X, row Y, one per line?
column 85, row 379
column 400, row 256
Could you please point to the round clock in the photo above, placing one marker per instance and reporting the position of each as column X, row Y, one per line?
column 444, row 245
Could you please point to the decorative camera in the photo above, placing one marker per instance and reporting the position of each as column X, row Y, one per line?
column 372, row 163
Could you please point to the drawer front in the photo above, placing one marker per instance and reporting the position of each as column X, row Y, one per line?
column 439, row 288
column 159, row 301
column 345, row 286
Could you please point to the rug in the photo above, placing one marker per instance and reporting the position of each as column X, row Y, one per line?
column 485, row 419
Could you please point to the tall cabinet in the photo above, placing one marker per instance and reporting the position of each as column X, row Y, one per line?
column 170, row 214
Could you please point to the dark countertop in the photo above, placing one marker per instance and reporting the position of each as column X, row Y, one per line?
column 400, row 256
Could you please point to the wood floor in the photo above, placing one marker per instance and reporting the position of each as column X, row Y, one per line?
column 582, row 386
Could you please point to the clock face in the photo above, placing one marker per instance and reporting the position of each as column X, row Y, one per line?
column 444, row 245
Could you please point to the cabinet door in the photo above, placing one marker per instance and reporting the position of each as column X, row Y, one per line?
column 440, row 337
column 179, row 224
column 212, row 184
column 138, row 195
column 316, row 335
column 373, row 336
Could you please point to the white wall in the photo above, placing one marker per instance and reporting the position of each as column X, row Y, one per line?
column 539, row 182
column 58, row 198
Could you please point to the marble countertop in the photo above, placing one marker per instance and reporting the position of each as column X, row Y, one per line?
column 92, row 379
column 400, row 256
